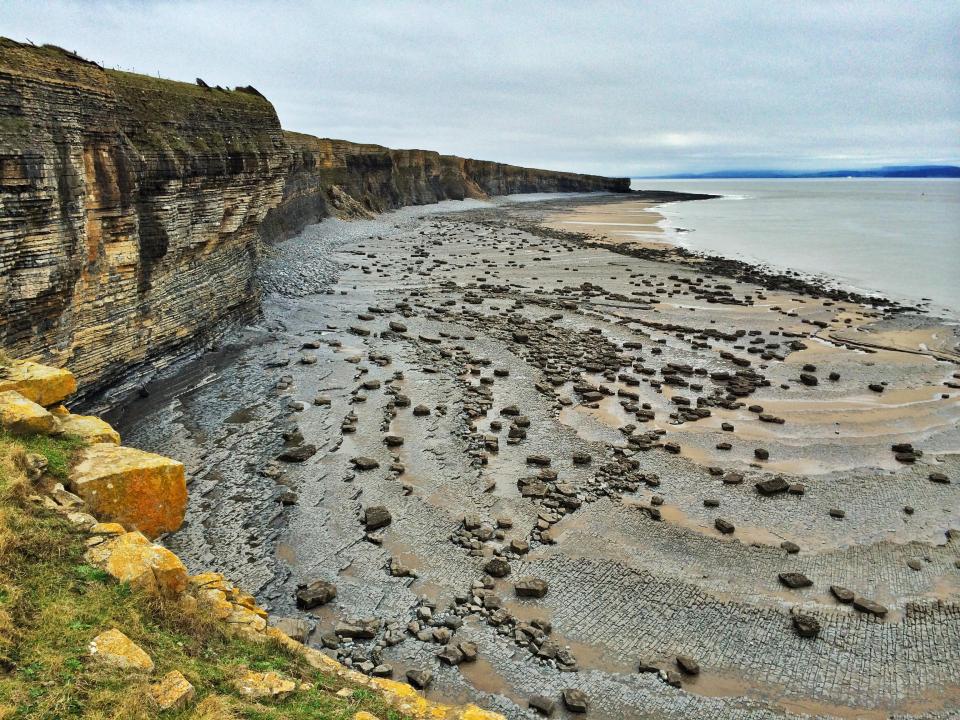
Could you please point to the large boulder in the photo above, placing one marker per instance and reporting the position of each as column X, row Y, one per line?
column 140, row 490
column 133, row 559
column 22, row 416
column 42, row 384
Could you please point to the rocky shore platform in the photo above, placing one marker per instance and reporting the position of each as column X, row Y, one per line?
column 550, row 475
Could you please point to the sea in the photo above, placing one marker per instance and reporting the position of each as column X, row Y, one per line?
column 897, row 238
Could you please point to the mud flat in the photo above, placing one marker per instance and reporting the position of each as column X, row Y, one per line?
column 531, row 460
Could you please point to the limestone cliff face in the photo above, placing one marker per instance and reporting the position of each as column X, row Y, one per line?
column 378, row 178
column 132, row 208
column 129, row 209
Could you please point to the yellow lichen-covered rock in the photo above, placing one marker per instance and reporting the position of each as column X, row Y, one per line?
column 115, row 649
column 145, row 492
column 364, row 715
column 174, row 691
column 88, row 427
column 131, row 558
column 42, row 384
column 256, row 685
column 21, row 416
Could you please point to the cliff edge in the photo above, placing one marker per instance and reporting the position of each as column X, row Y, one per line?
column 133, row 207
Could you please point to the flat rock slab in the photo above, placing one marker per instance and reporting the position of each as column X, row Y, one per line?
column 89, row 427
column 114, row 649
column 42, row 384
column 21, row 416
column 139, row 490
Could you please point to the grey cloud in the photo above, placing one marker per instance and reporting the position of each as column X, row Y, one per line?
column 612, row 87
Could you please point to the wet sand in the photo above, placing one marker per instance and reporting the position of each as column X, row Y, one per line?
column 527, row 396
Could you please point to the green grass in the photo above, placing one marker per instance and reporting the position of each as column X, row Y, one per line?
column 52, row 604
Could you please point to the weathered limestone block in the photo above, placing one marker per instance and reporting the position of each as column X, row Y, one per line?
column 43, row 384
column 89, row 427
column 257, row 685
column 140, row 490
column 174, row 691
column 133, row 559
column 114, row 649
column 21, row 416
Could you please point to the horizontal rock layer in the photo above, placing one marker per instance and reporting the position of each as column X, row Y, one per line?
column 132, row 208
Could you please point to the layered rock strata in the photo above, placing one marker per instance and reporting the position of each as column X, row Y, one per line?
column 132, row 208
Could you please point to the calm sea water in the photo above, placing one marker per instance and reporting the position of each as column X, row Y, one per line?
column 900, row 238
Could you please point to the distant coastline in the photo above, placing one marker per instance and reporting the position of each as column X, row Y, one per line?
column 891, row 171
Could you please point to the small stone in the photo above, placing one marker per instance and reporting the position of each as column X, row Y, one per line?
column 376, row 517
column 688, row 665
column 869, row 606
column 531, row 587
column 772, row 486
column 576, row 701
column 365, row 463
column 420, row 679
column 795, row 580
column 724, row 526
column 114, row 649
column 314, row 594
column 255, row 685
column 497, row 567
column 542, row 704
column 806, row 626
column 174, row 691
column 842, row 594
column 939, row 477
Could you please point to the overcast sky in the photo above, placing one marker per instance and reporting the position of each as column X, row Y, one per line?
column 625, row 88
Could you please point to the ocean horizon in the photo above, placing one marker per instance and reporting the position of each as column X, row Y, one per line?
column 895, row 237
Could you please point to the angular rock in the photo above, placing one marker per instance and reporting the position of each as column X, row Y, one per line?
column 365, row 463
column 806, row 626
column 314, row 594
column 116, row 650
column 576, row 701
column 542, row 704
column 795, row 580
column 140, row 490
column 772, row 486
column 131, row 558
column 376, row 517
column 300, row 453
column 420, row 679
column 256, row 685
column 530, row 587
column 173, row 692
column 688, row 665
column 497, row 567
column 41, row 384
column 20, row 416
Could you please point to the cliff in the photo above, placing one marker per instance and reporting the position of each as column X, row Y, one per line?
column 337, row 177
column 132, row 208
